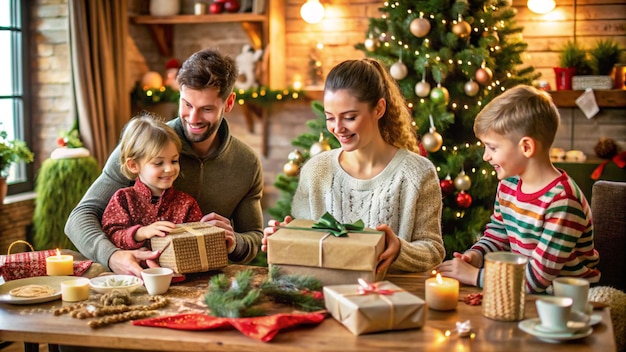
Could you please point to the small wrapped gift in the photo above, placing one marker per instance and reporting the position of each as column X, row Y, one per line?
column 333, row 253
column 192, row 247
column 382, row 306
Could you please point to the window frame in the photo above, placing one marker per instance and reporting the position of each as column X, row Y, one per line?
column 21, row 90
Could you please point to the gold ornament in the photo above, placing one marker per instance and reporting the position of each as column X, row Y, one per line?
column 291, row 168
column 422, row 89
column 319, row 146
column 419, row 27
column 296, row 157
column 398, row 70
column 432, row 141
column 462, row 29
column 462, row 182
column 471, row 88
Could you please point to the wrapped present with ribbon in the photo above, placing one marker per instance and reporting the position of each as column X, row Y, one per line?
column 328, row 250
column 192, row 247
column 381, row 306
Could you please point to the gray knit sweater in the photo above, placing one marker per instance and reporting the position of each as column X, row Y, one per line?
column 406, row 196
column 228, row 182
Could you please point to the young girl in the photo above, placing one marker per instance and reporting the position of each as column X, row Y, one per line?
column 149, row 152
column 377, row 175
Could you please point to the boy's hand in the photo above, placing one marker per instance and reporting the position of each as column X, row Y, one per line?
column 474, row 258
column 459, row 269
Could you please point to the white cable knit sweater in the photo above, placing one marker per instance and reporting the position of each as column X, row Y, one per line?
column 406, row 196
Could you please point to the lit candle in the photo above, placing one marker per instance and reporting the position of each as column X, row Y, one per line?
column 59, row 265
column 75, row 290
column 442, row 293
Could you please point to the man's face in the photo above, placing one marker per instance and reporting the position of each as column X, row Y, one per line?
column 201, row 112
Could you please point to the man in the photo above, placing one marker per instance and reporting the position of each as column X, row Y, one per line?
column 221, row 172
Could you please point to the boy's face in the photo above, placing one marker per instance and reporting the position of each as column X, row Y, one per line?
column 503, row 154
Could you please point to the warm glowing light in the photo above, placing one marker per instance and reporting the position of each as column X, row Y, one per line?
column 541, row 6
column 312, row 11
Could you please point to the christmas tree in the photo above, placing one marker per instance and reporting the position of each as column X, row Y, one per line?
column 450, row 59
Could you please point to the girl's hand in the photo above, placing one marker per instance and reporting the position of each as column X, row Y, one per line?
column 268, row 231
column 157, row 228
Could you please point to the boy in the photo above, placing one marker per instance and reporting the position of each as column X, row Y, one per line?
column 539, row 210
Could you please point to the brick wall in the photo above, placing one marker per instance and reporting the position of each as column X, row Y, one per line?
column 15, row 221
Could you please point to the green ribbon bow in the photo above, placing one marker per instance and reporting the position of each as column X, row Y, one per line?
column 329, row 223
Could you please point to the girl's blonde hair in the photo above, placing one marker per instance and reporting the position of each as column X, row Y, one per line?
column 518, row 112
column 143, row 138
column 369, row 81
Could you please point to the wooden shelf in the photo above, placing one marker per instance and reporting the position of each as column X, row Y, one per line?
column 255, row 26
column 190, row 19
column 614, row 98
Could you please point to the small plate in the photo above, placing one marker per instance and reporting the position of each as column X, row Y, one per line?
column 594, row 319
column 107, row 283
column 530, row 326
column 52, row 281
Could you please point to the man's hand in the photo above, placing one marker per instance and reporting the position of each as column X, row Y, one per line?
column 223, row 223
column 268, row 231
column 128, row 262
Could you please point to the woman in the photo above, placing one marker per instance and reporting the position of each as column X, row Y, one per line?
column 377, row 175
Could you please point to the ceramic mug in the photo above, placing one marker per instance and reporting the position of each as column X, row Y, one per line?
column 157, row 280
column 554, row 313
column 575, row 288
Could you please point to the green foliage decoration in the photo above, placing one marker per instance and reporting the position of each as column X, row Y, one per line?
column 604, row 55
column 12, row 151
column 60, row 184
column 574, row 55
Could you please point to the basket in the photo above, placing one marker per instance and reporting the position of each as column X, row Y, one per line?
column 192, row 248
column 504, row 291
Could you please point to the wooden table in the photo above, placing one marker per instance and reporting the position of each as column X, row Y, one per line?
column 36, row 324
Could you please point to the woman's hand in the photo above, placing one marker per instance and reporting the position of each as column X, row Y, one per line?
column 392, row 248
column 268, row 231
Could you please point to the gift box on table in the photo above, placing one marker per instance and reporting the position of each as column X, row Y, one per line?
column 192, row 247
column 364, row 308
column 301, row 249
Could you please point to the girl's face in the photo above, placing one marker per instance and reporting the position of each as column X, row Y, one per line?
column 353, row 123
column 160, row 172
column 504, row 155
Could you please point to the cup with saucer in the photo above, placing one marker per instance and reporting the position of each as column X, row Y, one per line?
column 554, row 313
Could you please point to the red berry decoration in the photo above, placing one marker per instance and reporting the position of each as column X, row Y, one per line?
column 447, row 187
column 231, row 6
column 463, row 200
column 61, row 142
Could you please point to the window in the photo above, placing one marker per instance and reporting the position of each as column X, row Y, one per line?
column 14, row 104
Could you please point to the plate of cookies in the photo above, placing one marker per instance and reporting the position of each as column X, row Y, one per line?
column 33, row 290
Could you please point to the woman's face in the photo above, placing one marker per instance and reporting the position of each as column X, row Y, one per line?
column 353, row 123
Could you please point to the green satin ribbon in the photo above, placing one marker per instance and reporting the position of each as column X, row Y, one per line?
column 329, row 224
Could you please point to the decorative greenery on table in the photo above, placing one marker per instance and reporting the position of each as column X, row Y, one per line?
column 239, row 298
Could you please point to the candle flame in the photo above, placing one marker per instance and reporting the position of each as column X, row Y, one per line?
column 439, row 280
column 433, row 272
column 58, row 253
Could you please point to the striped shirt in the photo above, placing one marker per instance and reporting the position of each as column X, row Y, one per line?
column 552, row 227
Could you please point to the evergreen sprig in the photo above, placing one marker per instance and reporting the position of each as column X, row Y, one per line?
column 238, row 298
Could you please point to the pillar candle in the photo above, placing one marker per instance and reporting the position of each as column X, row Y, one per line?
column 59, row 265
column 75, row 290
column 442, row 293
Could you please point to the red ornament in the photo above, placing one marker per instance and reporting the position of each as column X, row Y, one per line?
column 216, row 7
column 61, row 142
column 231, row 6
column 463, row 200
column 447, row 187
column 484, row 76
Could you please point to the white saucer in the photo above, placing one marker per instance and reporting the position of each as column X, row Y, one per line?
column 594, row 319
column 530, row 326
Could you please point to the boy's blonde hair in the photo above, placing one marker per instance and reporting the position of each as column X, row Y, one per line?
column 143, row 139
column 518, row 112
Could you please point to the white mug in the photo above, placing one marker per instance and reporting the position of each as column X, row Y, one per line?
column 157, row 280
column 575, row 288
column 554, row 313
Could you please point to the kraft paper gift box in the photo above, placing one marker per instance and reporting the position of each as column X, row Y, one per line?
column 297, row 249
column 365, row 308
column 192, row 248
